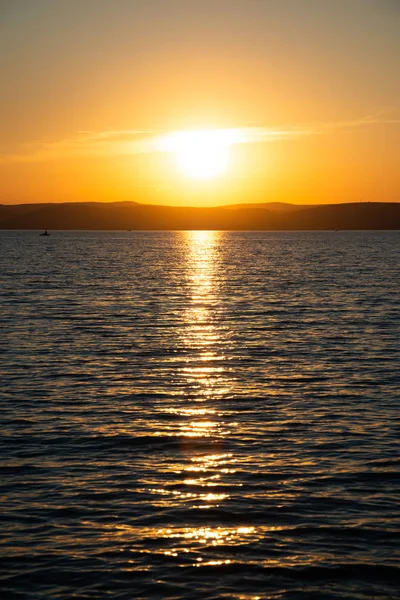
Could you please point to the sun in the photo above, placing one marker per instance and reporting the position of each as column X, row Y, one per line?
column 202, row 161
column 199, row 154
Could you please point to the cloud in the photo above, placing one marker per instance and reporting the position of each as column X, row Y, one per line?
column 135, row 141
column 120, row 142
column 378, row 118
column 85, row 143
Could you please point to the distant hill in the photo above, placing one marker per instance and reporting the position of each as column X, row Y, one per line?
column 131, row 215
column 273, row 206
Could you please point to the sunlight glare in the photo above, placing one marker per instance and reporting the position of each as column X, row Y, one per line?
column 200, row 154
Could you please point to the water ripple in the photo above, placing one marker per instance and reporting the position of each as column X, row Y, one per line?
column 200, row 415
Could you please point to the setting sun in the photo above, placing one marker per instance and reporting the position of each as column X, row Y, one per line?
column 202, row 162
column 200, row 154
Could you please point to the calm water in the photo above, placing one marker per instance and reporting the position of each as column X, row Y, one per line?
column 200, row 415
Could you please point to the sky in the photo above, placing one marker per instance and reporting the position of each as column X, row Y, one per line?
column 308, row 90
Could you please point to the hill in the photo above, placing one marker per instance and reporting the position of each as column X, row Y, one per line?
column 131, row 215
column 273, row 206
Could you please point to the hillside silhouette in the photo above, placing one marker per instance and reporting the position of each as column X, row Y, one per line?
column 131, row 215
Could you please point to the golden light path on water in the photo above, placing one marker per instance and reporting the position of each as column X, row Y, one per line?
column 203, row 473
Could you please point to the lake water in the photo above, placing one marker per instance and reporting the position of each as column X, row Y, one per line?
column 200, row 415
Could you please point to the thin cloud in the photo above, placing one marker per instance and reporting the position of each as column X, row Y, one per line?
column 369, row 120
column 85, row 143
column 132, row 141
column 106, row 143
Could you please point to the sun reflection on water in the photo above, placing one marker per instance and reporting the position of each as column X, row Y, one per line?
column 198, row 480
column 204, row 371
column 204, row 375
column 201, row 478
column 194, row 540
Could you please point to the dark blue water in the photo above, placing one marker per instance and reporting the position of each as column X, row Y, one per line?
column 200, row 415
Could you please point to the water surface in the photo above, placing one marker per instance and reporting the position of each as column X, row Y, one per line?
column 199, row 415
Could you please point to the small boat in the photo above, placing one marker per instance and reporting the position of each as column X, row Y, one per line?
column 45, row 232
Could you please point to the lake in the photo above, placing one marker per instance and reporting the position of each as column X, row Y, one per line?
column 200, row 415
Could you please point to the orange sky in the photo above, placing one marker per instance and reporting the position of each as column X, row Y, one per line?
column 89, row 87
